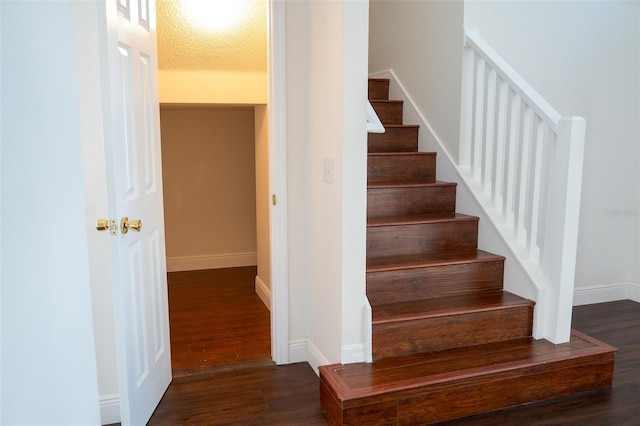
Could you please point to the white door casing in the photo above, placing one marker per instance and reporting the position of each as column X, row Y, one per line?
column 134, row 181
column 278, row 233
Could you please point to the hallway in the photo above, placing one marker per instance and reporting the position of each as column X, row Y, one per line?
column 216, row 320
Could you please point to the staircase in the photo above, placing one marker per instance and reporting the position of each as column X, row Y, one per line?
column 448, row 342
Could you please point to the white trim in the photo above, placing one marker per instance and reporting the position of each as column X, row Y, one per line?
column 634, row 292
column 110, row 409
column 263, row 291
column 374, row 125
column 304, row 350
column 298, row 350
column 606, row 293
column 354, row 353
column 212, row 261
column 315, row 357
column 278, row 233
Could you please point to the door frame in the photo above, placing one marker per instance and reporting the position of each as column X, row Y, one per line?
column 96, row 152
column 278, row 233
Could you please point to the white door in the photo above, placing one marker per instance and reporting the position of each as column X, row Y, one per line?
column 133, row 143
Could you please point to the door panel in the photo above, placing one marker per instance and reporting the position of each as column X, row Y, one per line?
column 136, row 188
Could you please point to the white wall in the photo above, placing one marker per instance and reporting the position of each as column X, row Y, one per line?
column 356, row 315
column 96, row 206
column 422, row 41
column 326, row 92
column 1, row 217
column 48, row 355
column 584, row 58
column 325, row 122
column 297, row 89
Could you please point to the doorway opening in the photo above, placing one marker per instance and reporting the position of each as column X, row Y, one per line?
column 216, row 183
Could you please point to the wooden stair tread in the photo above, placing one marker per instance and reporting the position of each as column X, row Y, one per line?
column 446, row 306
column 405, row 184
column 409, row 372
column 400, row 154
column 399, row 183
column 386, row 101
column 402, row 126
column 423, row 260
column 418, row 219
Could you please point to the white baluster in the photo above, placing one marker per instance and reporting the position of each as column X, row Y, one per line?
column 501, row 134
column 478, row 134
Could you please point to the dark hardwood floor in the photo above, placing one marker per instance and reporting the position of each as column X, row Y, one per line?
column 288, row 395
column 216, row 319
column 618, row 324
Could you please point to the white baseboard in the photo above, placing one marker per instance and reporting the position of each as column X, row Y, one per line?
column 301, row 350
column 606, row 293
column 213, row 261
column 634, row 292
column 110, row 409
column 353, row 353
column 298, row 350
column 264, row 292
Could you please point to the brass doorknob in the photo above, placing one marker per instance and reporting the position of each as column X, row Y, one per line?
column 126, row 224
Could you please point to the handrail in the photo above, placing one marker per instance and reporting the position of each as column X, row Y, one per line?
column 523, row 160
column 515, row 81
column 374, row 125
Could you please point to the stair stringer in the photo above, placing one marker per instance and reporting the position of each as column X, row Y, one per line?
column 521, row 277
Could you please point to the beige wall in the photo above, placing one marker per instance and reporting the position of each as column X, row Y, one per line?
column 209, row 186
column 205, row 65
column 213, row 87
column 263, row 202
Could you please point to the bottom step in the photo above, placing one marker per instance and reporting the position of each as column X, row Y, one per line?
column 438, row 386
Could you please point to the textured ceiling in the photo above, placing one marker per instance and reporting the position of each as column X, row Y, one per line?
column 184, row 46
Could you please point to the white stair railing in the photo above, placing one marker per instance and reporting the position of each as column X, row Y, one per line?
column 523, row 161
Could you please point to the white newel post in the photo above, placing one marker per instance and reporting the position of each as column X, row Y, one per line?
column 563, row 232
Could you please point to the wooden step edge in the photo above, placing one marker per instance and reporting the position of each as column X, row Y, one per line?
column 504, row 370
column 399, row 126
column 386, row 101
column 407, row 183
column 593, row 341
column 378, row 79
column 383, row 185
column 464, row 310
column 419, row 219
column 426, row 261
column 402, row 154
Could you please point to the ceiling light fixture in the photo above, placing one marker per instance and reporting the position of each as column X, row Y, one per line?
column 214, row 15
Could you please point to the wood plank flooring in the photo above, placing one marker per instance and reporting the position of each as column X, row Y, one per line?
column 216, row 319
column 616, row 323
column 288, row 395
